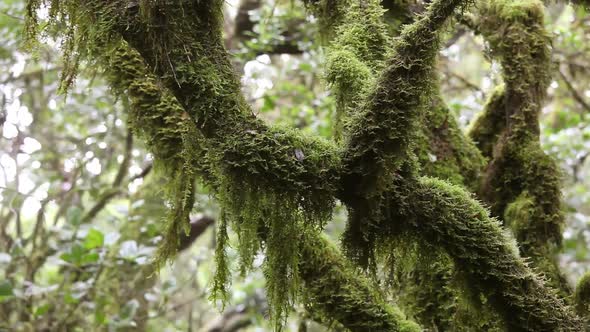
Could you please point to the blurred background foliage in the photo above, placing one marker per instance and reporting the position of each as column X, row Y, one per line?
column 81, row 207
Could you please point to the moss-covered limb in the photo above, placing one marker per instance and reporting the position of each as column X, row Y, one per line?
column 266, row 178
column 379, row 137
column 182, row 42
column 490, row 123
column 336, row 291
column 195, row 67
column 354, row 57
column 447, row 216
column 428, row 287
column 151, row 105
column 160, row 120
column 521, row 183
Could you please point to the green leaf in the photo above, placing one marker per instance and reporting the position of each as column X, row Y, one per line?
column 69, row 299
column 99, row 317
column 74, row 215
column 89, row 258
column 40, row 311
column 79, row 256
column 5, row 289
column 94, row 239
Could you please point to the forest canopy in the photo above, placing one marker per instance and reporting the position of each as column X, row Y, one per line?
column 312, row 165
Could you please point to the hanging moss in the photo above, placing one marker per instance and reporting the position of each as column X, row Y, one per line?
column 157, row 117
column 222, row 278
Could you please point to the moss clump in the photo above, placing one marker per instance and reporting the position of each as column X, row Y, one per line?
column 354, row 57
column 582, row 296
column 487, row 127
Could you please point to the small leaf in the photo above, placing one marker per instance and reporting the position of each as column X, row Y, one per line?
column 94, row 239
column 5, row 289
column 40, row 311
column 89, row 258
column 69, row 299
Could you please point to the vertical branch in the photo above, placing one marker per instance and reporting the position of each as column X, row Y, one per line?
column 521, row 183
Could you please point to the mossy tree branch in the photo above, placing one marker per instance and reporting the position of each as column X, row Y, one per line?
column 354, row 56
column 353, row 300
column 291, row 181
column 521, row 182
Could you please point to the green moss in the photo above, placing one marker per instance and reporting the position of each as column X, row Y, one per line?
column 275, row 184
column 516, row 10
column 334, row 290
column 158, row 118
column 447, row 216
column 582, row 296
column 221, row 281
column 380, row 137
column 490, row 123
column 444, row 151
column 355, row 55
